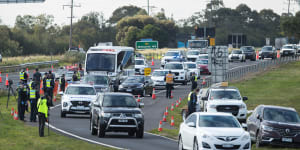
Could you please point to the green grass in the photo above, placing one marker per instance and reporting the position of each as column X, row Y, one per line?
column 16, row 135
column 280, row 86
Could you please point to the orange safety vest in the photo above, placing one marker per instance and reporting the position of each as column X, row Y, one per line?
column 169, row 78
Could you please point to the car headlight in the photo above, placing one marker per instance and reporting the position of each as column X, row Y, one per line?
column 212, row 106
column 65, row 104
column 121, row 86
column 205, row 136
column 246, row 137
column 242, row 106
column 106, row 115
column 138, row 115
column 267, row 128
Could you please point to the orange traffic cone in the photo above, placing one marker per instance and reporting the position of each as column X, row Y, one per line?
column 257, row 55
column 278, row 53
column 164, row 118
column 172, row 107
column 41, row 88
column 159, row 126
column 27, row 72
column 153, row 94
column 180, row 98
column 177, row 104
column 172, row 121
column 52, row 68
column 152, row 63
column 171, row 94
column 6, row 80
column 167, row 113
column 12, row 111
column 16, row 115
column 54, row 99
column 138, row 100
column 203, row 82
column 0, row 77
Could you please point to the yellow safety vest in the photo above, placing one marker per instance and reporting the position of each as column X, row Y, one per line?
column 48, row 83
column 196, row 78
column 32, row 94
column 189, row 97
column 30, row 85
column 42, row 106
column 169, row 78
column 21, row 75
column 78, row 75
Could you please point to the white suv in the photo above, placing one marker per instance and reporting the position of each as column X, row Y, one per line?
column 288, row 50
column 179, row 71
column 140, row 65
column 225, row 99
column 173, row 56
column 77, row 99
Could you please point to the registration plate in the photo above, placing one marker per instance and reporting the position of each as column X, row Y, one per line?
column 287, row 140
column 227, row 145
column 129, row 90
column 122, row 120
column 80, row 107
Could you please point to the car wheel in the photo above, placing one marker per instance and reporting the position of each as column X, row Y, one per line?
column 140, row 132
column 101, row 132
column 195, row 145
column 131, row 133
column 258, row 140
column 180, row 144
column 62, row 114
column 92, row 128
column 262, row 58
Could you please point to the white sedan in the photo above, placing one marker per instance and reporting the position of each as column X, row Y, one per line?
column 203, row 131
column 237, row 55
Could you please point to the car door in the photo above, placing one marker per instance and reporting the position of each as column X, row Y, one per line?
column 251, row 123
column 97, row 109
column 188, row 133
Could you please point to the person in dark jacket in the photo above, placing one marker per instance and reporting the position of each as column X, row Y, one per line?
column 34, row 95
column 74, row 77
column 37, row 77
column 23, row 97
column 192, row 101
column 62, row 83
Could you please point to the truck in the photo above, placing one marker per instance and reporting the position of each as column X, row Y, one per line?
column 200, row 45
column 279, row 42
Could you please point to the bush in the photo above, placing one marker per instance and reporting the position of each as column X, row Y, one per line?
column 74, row 57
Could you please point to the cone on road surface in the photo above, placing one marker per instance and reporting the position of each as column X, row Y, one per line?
column 152, row 63
column 52, row 68
column 0, row 77
column 257, row 55
column 159, row 126
column 177, row 104
column 278, row 53
column 27, row 71
column 12, row 111
column 16, row 117
column 139, row 99
column 164, row 118
column 153, row 94
column 172, row 121
column 6, row 80
column 172, row 107
column 171, row 94
column 41, row 88
column 167, row 113
column 203, row 82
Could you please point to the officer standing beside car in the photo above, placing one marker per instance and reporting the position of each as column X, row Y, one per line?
column 192, row 101
column 169, row 84
column 62, row 83
column 194, row 81
column 33, row 96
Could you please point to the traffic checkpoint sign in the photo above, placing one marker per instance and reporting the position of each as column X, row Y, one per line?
column 147, row 71
column 141, row 45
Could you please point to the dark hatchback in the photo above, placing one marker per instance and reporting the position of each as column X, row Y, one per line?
column 138, row 85
column 249, row 52
column 274, row 125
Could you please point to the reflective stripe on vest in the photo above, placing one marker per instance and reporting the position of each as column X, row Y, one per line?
column 169, row 78
column 189, row 97
column 21, row 75
column 32, row 94
column 48, row 83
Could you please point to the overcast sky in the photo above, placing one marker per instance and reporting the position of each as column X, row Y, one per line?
column 179, row 8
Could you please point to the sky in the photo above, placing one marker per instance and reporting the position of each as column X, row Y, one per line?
column 180, row 9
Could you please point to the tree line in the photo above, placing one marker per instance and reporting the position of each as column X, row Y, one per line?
column 40, row 35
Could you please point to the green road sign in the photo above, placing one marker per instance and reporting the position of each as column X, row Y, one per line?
column 146, row 44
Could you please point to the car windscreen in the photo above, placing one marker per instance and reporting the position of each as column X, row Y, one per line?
column 267, row 48
column 79, row 90
column 118, row 101
column 100, row 62
column 236, row 52
column 247, row 49
column 193, row 53
column 281, row 115
column 159, row 73
column 134, row 79
column 225, row 94
column 216, row 121
column 174, row 66
column 203, row 57
column 96, row 80
column 287, row 47
column 139, row 62
column 191, row 66
column 172, row 54
column 202, row 61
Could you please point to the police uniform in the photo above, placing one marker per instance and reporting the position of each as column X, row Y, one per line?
column 23, row 76
column 169, row 84
column 62, row 83
column 43, row 114
column 192, row 99
column 33, row 96
column 23, row 97
column 49, row 89
column 194, row 82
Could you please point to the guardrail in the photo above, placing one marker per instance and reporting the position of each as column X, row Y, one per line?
column 18, row 67
column 239, row 73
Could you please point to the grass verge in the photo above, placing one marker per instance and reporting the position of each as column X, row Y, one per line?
column 279, row 86
column 16, row 135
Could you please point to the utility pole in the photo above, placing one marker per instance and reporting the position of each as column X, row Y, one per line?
column 71, row 21
column 148, row 6
column 289, row 4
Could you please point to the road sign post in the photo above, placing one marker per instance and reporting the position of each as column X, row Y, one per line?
column 142, row 45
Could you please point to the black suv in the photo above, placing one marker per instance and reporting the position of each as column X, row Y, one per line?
column 249, row 52
column 116, row 112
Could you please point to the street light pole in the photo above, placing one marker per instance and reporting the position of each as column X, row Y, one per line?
column 148, row 8
column 71, row 25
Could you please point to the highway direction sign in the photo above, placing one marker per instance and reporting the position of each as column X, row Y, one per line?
column 140, row 45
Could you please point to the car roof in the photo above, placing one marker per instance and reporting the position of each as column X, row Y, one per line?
column 160, row 70
column 213, row 113
column 117, row 93
column 190, row 62
column 174, row 63
column 139, row 59
column 80, row 85
column 279, row 107
column 224, row 88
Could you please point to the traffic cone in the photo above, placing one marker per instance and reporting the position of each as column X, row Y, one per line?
column 172, row 107
column 164, row 118
column 153, row 94
column 16, row 117
column 177, row 104
column 159, row 126
column 179, row 101
column 278, row 53
column 180, row 98
column 41, row 88
column 203, row 82
column 52, row 68
column 27, row 71
column 138, row 100
column 167, row 113
column 257, row 55
column 172, row 121
column 171, row 94
column 12, row 111
column 0, row 77
column 6, row 80
column 152, row 63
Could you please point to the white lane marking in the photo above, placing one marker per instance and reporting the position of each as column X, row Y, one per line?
column 161, row 136
column 55, row 106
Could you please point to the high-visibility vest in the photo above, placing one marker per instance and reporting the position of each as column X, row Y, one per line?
column 22, row 75
column 30, row 84
column 32, row 94
column 48, row 83
column 169, row 78
column 189, row 97
column 78, row 75
column 42, row 106
column 196, row 78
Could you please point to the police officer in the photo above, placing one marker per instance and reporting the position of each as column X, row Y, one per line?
column 75, row 77
column 23, row 76
column 192, row 101
column 78, row 75
column 23, row 97
column 33, row 97
column 42, row 107
column 37, row 77
column 194, row 81
column 44, row 81
column 49, row 88
column 169, row 84
column 62, row 82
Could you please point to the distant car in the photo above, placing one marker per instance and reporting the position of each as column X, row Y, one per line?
column 140, row 65
column 202, row 56
column 237, row 55
column 126, row 73
column 268, row 52
column 192, row 55
column 59, row 72
column 202, row 64
column 116, row 112
column 249, row 52
column 76, row 49
column 69, row 76
column 0, row 58
column 173, row 56
column 158, row 78
column 101, row 83
column 288, row 50
column 212, row 131
column 274, row 125
column 192, row 68
column 179, row 71
column 138, row 85
column 77, row 99
column 298, row 49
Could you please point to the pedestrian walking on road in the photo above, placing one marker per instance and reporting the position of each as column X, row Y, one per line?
column 194, row 81
column 33, row 97
column 42, row 106
column 169, row 84
column 192, row 101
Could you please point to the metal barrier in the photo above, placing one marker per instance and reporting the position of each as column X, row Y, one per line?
column 18, row 67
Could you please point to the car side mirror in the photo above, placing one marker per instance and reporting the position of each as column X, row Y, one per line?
column 141, row 105
column 204, row 98
column 245, row 127
column 258, row 117
column 191, row 124
column 245, row 98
